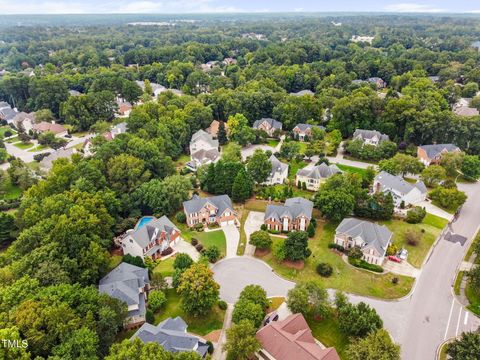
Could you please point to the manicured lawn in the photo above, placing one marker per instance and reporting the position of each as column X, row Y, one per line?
column 273, row 142
column 416, row 254
column 243, row 237
column 197, row 325
column 207, row 238
column 165, row 267
column 458, row 282
column 23, row 146
column 12, row 140
column 40, row 147
column 256, row 205
column 473, row 296
column 11, row 192
column 352, row 169
column 344, row 277
column 435, row 221
column 296, row 191
column 4, row 129
column 328, row 333
column 275, row 303
column 293, row 167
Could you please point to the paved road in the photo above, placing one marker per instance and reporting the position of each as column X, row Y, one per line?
column 236, row 273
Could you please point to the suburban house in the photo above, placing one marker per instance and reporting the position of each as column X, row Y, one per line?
column 302, row 93
column 124, row 108
column 156, row 88
column 462, row 108
column 401, row 190
column 24, row 121
column 432, row 154
column 203, row 150
column 229, row 61
column 130, row 284
column 304, row 131
column 378, row 82
column 150, row 237
column 371, row 238
column 213, row 128
column 290, row 339
column 268, row 125
column 279, row 172
column 47, row 162
column 6, row 112
column 43, row 127
column 209, row 65
column 118, row 129
column 313, row 176
column 370, row 137
column 295, row 214
column 212, row 210
column 172, row 335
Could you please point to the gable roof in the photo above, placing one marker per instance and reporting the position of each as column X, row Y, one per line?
column 214, row 127
column 47, row 161
column 277, row 165
column 7, row 113
column 4, row 104
column 171, row 335
column 123, row 283
column 369, row 134
column 292, row 339
column 293, row 208
column 51, row 127
column 398, row 183
column 221, row 202
column 305, row 127
column 372, row 234
column 275, row 124
column 203, row 135
column 433, row 150
column 321, row 171
column 143, row 235
column 210, row 154
column 302, row 93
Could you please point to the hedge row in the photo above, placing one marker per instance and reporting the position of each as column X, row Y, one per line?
column 360, row 263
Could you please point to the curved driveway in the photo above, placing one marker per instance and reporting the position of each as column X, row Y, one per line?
column 235, row 273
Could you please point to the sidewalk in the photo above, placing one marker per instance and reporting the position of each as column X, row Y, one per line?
column 218, row 353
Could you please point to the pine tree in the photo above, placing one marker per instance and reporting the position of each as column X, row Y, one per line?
column 6, row 227
column 209, row 184
column 222, row 134
column 242, row 187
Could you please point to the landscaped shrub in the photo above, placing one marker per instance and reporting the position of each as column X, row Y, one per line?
column 133, row 260
column 181, row 217
column 365, row 265
column 194, row 241
column 212, row 253
column 210, row 347
column 324, row 269
column 182, row 261
column 199, row 227
column 395, row 280
column 336, row 247
column 416, row 215
column 40, row 157
column 261, row 239
column 355, row 253
column 7, row 133
column 167, row 251
column 279, row 250
column 199, row 247
column 263, row 227
column 392, row 249
column 413, row 237
column 156, row 300
column 150, row 317
column 222, row 305
column 311, row 230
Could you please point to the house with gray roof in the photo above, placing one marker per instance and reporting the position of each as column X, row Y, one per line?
column 303, row 132
column 432, row 154
column 268, row 125
column 150, row 237
column 294, row 215
column 211, row 210
column 203, row 150
column 279, row 172
column 303, row 93
column 47, row 162
column 6, row 112
column 402, row 191
column 313, row 176
column 172, row 335
column 370, row 137
column 371, row 238
column 130, row 284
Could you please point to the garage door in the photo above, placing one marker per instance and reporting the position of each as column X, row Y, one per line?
column 225, row 223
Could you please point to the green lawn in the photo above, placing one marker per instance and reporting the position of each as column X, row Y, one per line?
column 165, row 267
column 40, row 147
column 207, row 238
column 11, row 192
column 473, row 296
column 352, row 169
column 243, row 237
column 12, row 140
column 273, row 142
column 182, row 160
column 296, row 191
column 114, row 261
column 23, row 146
column 293, row 167
column 344, row 277
column 416, row 254
column 458, row 282
column 197, row 325
column 328, row 333
column 3, row 129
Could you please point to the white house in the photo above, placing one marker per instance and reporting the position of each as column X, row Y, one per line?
column 279, row 172
column 400, row 189
column 203, row 150
column 370, row 137
column 314, row 176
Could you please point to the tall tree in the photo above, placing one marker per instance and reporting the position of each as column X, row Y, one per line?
column 242, row 187
column 259, row 167
column 241, row 343
column 377, row 345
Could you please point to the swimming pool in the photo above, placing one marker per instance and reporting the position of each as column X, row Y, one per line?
column 144, row 220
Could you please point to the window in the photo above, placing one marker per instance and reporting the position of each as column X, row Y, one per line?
column 227, row 213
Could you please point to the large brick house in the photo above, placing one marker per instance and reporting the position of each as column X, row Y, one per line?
column 268, row 125
column 295, row 214
column 215, row 209
column 432, row 154
column 371, row 238
column 150, row 237
column 303, row 132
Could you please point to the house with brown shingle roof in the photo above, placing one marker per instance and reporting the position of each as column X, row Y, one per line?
column 292, row 339
column 44, row 126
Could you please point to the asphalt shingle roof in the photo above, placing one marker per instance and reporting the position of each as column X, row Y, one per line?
column 398, row 183
column 434, row 150
column 201, row 134
column 293, row 208
column 221, row 202
column 305, row 127
column 143, row 235
column 369, row 134
column 321, row 171
column 272, row 122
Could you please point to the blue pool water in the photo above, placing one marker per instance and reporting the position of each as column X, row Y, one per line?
column 144, row 220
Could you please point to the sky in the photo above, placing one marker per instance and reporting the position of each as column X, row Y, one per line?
column 229, row 6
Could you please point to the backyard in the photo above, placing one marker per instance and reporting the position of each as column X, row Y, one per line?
column 197, row 325
column 352, row 169
column 344, row 277
column 328, row 333
column 165, row 267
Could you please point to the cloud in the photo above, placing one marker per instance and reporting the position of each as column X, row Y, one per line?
column 181, row 6
column 413, row 7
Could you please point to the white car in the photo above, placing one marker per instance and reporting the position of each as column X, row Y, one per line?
column 403, row 254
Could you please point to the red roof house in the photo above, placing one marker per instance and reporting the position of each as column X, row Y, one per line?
column 292, row 339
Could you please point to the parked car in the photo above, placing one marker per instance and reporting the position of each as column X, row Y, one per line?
column 68, row 136
column 270, row 317
column 403, row 254
column 394, row 259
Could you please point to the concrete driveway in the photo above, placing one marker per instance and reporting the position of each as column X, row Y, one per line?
column 253, row 223
column 232, row 237
column 186, row 248
column 435, row 210
column 236, row 273
column 249, row 150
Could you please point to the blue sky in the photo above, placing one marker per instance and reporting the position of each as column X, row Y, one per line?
column 218, row 6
